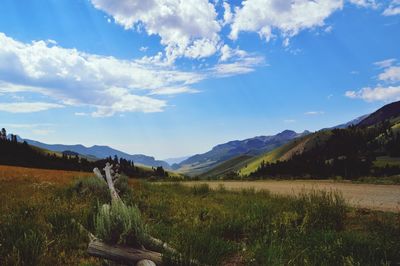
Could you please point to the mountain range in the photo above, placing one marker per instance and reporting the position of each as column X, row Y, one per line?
column 242, row 156
column 201, row 163
column 98, row 152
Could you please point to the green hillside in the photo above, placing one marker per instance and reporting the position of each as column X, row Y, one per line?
column 286, row 151
column 227, row 167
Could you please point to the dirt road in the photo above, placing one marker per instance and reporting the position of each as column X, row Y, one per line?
column 377, row 197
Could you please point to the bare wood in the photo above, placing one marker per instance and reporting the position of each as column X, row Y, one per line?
column 122, row 254
column 97, row 172
column 110, row 183
column 163, row 245
column 145, row 263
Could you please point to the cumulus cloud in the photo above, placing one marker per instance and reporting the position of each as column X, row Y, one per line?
column 287, row 17
column 228, row 15
column 393, row 8
column 187, row 28
column 75, row 78
column 379, row 93
column 391, row 74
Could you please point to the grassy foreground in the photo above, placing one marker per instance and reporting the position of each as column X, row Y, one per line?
column 217, row 227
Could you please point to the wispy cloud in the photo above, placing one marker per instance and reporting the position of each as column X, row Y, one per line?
column 104, row 83
column 314, row 113
column 28, row 107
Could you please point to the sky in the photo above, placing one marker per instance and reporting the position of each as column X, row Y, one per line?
column 171, row 78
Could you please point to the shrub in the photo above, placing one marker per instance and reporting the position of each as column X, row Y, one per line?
column 322, row 210
column 90, row 186
column 201, row 190
column 118, row 223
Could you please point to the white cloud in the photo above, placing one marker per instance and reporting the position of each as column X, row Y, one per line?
column 228, row 15
column 171, row 91
column 391, row 74
column 81, row 114
column 379, row 93
column 143, row 48
column 235, row 62
column 365, row 3
column 187, row 28
column 287, row 17
column 228, row 53
column 28, row 107
column 71, row 77
column 389, row 91
column 393, row 8
column 314, row 113
column 385, row 63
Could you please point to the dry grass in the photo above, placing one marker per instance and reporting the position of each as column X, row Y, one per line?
column 370, row 196
column 14, row 173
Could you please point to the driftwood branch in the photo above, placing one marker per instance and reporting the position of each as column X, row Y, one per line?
column 122, row 254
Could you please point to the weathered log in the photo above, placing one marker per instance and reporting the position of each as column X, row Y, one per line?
column 122, row 254
column 110, row 183
column 145, row 263
column 97, row 172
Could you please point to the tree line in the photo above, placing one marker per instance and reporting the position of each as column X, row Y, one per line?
column 349, row 153
column 16, row 153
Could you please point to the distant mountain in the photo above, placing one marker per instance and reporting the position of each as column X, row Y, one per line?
column 176, row 160
column 353, row 122
column 201, row 163
column 99, row 152
column 371, row 148
column 387, row 112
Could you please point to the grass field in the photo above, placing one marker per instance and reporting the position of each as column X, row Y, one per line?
column 217, row 227
column 370, row 196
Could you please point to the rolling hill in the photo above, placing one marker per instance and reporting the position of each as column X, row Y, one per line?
column 388, row 112
column 380, row 141
column 201, row 163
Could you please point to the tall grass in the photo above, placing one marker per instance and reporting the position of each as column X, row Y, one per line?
column 215, row 227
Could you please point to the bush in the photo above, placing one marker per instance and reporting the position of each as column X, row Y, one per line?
column 200, row 190
column 91, row 186
column 118, row 223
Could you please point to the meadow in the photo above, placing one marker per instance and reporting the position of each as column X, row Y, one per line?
column 41, row 209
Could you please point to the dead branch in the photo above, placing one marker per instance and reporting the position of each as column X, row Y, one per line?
column 122, row 254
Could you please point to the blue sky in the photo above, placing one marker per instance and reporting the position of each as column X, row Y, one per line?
column 174, row 78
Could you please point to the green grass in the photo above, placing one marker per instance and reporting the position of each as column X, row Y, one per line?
column 215, row 227
column 258, row 228
column 227, row 167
